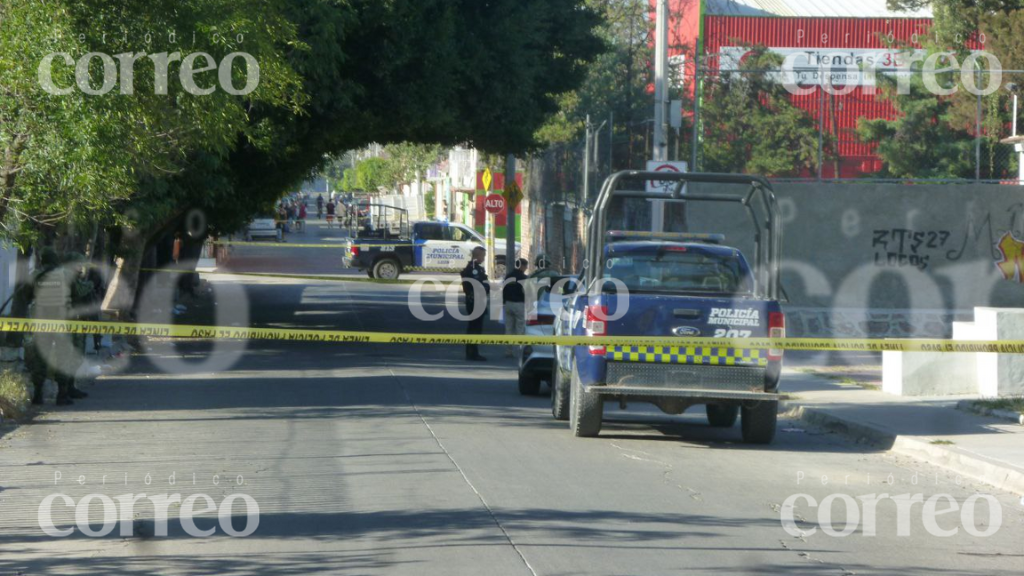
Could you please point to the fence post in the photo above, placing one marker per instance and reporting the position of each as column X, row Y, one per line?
column 977, row 126
column 697, row 86
column 821, row 123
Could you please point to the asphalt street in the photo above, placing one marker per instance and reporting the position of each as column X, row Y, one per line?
column 397, row 459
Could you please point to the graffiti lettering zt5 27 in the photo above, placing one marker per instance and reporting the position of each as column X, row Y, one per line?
column 1012, row 264
column 899, row 247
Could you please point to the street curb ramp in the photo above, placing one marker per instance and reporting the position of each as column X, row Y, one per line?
column 959, row 461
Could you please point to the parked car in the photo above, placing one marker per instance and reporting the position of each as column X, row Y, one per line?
column 546, row 302
column 263, row 227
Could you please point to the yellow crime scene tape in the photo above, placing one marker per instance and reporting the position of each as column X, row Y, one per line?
column 284, row 276
column 295, row 334
column 291, row 245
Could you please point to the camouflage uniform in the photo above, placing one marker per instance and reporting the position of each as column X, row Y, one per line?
column 54, row 356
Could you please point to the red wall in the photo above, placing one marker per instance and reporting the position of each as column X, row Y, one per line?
column 856, row 158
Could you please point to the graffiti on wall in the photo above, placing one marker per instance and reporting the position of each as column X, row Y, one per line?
column 1012, row 262
column 900, row 247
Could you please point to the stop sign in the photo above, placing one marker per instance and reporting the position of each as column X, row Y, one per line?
column 494, row 203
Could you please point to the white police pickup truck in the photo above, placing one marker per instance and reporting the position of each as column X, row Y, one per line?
column 433, row 246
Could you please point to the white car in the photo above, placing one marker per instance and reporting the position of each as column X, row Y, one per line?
column 536, row 362
column 263, row 227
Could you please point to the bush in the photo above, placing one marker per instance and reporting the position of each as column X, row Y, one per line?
column 14, row 394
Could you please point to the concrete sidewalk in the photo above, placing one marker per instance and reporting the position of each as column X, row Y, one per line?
column 931, row 429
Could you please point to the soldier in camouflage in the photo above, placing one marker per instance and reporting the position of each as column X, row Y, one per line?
column 58, row 357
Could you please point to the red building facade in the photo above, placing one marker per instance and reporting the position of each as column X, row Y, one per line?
column 808, row 31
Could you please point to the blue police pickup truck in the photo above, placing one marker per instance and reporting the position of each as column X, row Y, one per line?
column 675, row 285
column 385, row 245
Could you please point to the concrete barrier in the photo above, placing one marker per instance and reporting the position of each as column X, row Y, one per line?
column 983, row 374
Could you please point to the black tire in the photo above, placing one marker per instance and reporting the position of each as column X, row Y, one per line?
column 387, row 269
column 759, row 422
column 369, row 272
column 585, row 410
column 722, row 415
column 529, row 384
column 559, row 393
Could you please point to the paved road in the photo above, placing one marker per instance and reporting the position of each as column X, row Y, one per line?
column 376, row 459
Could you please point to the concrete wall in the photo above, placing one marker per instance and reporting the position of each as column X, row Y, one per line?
column 887, row 259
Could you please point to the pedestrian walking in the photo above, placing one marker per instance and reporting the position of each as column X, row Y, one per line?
column 289, row 208
column 330, row 213
column 302, row 216
column 320, row 207
column 282, row 218
column 513, row 297
column 473, row 277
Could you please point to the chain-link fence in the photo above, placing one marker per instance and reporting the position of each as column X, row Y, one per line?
column 883, row 125
column 887, row 126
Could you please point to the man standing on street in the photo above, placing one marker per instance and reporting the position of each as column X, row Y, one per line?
column 475, row 283
column 513, row 297
column 54, row 356
column 330, row 213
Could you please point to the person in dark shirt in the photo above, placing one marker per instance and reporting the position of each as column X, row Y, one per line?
column 514, row 299
column 330, row 213
column 473, row 278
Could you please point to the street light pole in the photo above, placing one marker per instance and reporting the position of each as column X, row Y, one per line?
column 510, row 216
column 586, row 162
column 660, row 151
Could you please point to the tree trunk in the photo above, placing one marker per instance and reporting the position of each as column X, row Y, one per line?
column 130, row 255
column 120, row 299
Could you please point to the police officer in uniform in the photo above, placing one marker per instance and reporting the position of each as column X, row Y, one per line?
column 472, row 274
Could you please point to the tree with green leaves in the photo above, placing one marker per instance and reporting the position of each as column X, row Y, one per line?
column 955, row 23
column 82, row 146
column 374, row 175
column 409, row 162
column 495, row 71
column 920, row 142
column 751, row 125
column 616, row 82
column 349, row 181
column 959, row 25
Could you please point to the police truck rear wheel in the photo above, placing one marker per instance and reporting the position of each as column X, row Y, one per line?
column 369, row 272
column 722, row 415
column 585, row 410
column 559, row 394
column 759, row 421
column 386, row 269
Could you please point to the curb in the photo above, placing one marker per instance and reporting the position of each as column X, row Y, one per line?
column 969, row 406
column 961, row 462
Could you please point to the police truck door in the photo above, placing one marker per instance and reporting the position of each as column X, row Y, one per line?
column 462, row 238
column 434, row 250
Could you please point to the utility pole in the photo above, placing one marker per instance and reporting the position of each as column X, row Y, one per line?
column 510, row 216
column 586, row 164
column 660, row 151
column 611, row 142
